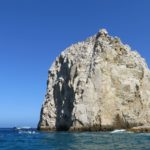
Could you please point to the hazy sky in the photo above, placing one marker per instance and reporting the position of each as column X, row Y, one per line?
column 34, row 32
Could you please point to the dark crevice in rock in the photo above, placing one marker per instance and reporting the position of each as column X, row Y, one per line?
column 96, row 44
column 64, row 98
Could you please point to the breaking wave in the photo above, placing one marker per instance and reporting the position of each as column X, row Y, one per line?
column 25, row 130
column 119, row 131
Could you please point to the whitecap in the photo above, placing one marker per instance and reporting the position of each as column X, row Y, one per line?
column 118, row 131
column 25, row 127
column 22, row 128
column 27, row 132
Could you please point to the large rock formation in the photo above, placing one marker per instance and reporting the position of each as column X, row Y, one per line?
column 98, row 84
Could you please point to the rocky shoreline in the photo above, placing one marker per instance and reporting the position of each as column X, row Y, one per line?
column 138, row 129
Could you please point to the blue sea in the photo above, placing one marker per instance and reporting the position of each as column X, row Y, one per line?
column 31, row 139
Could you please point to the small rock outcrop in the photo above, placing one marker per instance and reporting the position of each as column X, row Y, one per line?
column 98, row 84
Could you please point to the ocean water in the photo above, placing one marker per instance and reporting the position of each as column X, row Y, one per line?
column 30, row 139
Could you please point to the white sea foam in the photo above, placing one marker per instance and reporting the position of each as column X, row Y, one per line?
column 18, row 128
column 27, row 132
column 25, row 127
column 22, row 128
column 118, row 131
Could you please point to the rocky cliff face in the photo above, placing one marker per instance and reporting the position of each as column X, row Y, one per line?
column 98, row 84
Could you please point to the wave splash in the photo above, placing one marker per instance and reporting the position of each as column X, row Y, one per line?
column 119, row 131
column 25, row 130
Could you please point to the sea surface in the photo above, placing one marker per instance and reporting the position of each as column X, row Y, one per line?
column 31, row 139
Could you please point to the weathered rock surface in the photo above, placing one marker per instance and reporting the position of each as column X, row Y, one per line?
column 144, row 128
column 98, row 84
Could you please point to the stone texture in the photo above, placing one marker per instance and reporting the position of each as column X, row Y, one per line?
column 144, row 128
column 98, row 84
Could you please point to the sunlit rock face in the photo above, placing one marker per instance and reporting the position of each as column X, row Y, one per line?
column 97, row 84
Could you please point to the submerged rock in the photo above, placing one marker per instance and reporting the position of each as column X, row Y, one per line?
column 98, row 84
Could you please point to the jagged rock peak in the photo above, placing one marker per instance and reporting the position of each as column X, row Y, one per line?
column 103, row 32
column 97, row 84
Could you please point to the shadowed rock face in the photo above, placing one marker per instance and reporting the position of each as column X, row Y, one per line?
column 98, row 84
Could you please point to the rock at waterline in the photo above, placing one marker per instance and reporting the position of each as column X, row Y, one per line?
column 97, row 84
